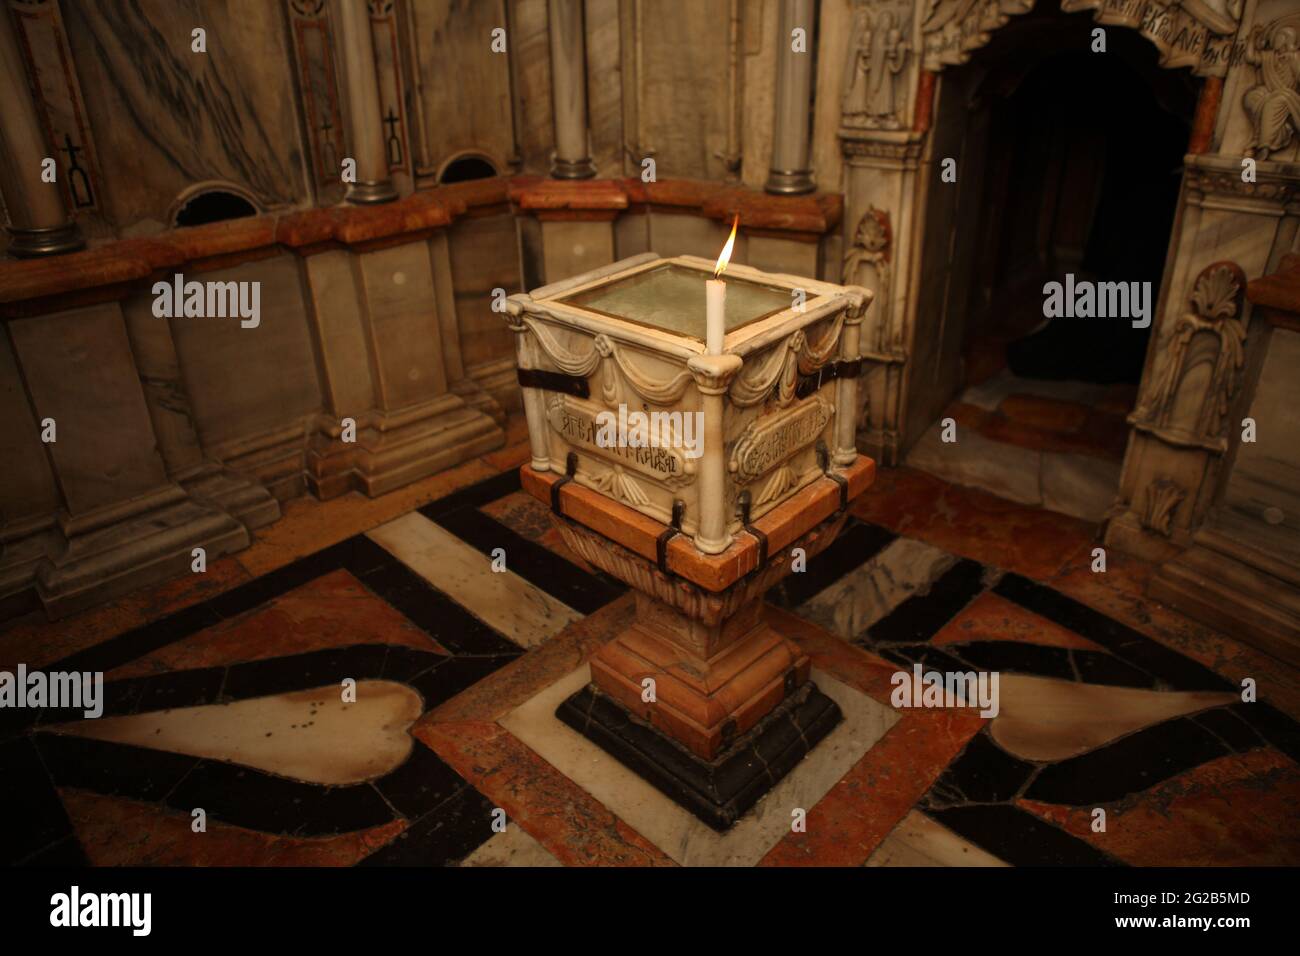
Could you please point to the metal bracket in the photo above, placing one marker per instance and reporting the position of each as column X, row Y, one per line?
column 570, row 469
column 674, row 529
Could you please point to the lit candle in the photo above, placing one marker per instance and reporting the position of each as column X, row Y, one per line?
column 715, row 298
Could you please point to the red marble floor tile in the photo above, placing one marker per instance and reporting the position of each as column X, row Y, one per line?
column 845, row 826
column 974, row 523
column 335, row 610
column 115, row 831
column 1049, row 414
column 993, row 618
column 1098, row 435
column 36, row 641
column 1239, row 810
column 564, row 818
column 1120, row 593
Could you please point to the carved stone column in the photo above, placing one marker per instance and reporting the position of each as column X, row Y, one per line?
column 713, row 375
column 357, row 52
column 569, row 90
column 39, row 220
column 791, row 171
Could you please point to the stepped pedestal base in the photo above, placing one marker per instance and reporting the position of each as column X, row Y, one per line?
column 701, row 696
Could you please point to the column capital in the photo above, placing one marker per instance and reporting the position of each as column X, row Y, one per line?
column 713, row 373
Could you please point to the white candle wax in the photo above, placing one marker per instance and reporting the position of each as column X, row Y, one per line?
column 715, row 315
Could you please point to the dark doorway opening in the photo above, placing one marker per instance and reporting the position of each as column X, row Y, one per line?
column 467, row 168
column 1085, row 158
column 214, row 205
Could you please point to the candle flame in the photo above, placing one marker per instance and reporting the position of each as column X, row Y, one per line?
column 725, row 256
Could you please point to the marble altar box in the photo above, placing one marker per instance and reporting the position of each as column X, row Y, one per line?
column 621, row 394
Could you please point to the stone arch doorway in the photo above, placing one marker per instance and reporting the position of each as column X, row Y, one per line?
column 1069, row 166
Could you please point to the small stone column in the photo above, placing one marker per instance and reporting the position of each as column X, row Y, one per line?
column 365, row 126
column 528, row 356
column 569, row 90
column 791, row 172
column 713, row 375
column 846, row 387
column 39, row 220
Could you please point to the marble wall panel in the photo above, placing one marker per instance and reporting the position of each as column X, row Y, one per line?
column 247, row 381
column 28, row 488
column 530, row 59
column 604, row 86
column 80, row 371
column 464, row 87
column 405, row 341
column 571, row 248
column 166, row 118
column 683, row 86
column 484, row 256
column 344, row 354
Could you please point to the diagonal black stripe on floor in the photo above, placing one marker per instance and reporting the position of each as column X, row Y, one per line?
column 475, row 496
column 1179, row 672
column 982, row 773
column 1131, row 764
column 856, row 544
column 33, row 816
column 455, row 830
column 538, row 565
column 920, row 617
column 1018, row 837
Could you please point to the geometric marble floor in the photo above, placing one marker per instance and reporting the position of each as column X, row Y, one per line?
column 223, row 695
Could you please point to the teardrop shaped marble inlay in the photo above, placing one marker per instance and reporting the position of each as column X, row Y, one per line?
column 1042, row 718
column 308, row 735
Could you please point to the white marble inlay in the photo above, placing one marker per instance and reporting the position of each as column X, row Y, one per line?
column 919, row 840
column 309, row 735
column 1042, row 718
column 674, row 830
column 503, row 600
column 869, row 592
column 513, row 848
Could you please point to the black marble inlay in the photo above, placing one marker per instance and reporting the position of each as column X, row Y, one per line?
column 1178, row 672
column 422, row 783
column 433, row 612
column 1273, row 725
column 540, row 566
column 920, row 616
column 718, row 792
column 474, row 496
column 929, row 657
column 454, row 675
column 328, row 666
column 1014, row 657
column 1235, row 732
column 65, row 853
column 112, row 769
column 982, row 773
column 33, row 815
column 448, row 835
column 857, row 544
column 1128, row 765
column 1018, row 837
column 261, row 801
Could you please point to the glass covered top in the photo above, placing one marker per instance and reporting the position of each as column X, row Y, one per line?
column 671, row 297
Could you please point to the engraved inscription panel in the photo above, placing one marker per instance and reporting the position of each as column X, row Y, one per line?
column 772, row 440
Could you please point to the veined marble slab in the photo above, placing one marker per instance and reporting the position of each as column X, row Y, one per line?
column 677, row 832
column 871, row 591
column 523, row 613
column 309, row 735
column 514, row 847
column 919, row 840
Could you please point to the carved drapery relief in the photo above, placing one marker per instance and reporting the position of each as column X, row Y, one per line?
column 870, row 255
column 619, row 367
column 1273, row 103
column 879, row 44
column 775, row 375
column 1188, row 399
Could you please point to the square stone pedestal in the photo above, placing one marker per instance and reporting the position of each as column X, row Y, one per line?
column 701, row 697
